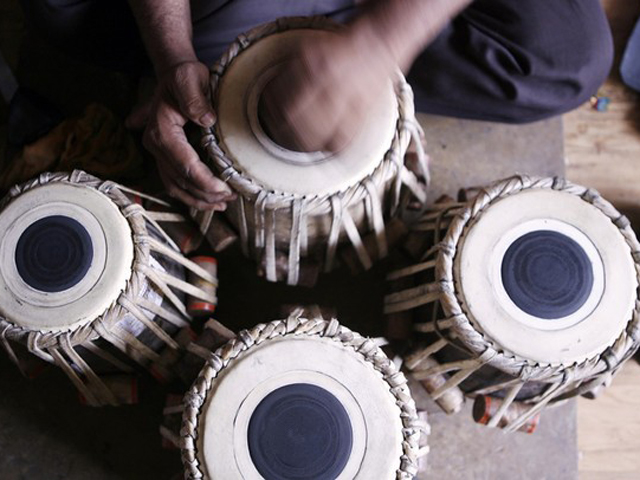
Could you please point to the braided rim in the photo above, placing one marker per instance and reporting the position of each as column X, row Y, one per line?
column 133, row 213
column 471, row 333
column 389, row 167
column 196, row 397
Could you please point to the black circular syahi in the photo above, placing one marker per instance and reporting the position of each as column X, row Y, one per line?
column 547, row 274
column 300, row 431
column 54, row 253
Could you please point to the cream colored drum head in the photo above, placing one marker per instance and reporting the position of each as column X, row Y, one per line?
column 547, row 276
column 284, row 171
column 66, row 253
column 300, row 406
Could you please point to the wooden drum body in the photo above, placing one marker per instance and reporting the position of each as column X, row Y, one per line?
column 299, row 398
column 89, row 281
column 527, row 294
column 297, row 207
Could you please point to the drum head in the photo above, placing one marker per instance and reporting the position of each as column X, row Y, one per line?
column 66, row 253
column 546, row 276
column 274, row 168
column 300, row 407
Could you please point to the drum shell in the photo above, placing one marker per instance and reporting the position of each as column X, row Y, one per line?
column 466, row 352
column 455, row 351
column 139, row 321
column 318, row 219
column 376, row 182
column 305, row 335
column 129, row 323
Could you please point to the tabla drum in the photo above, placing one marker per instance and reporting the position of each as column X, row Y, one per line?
column 295, row 208
column 526, row 293
column 299, row 398
column 89, row 281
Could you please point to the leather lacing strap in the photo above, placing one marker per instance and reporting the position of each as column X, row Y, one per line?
column 298, row 224
column 7, row 347
column 334, row 233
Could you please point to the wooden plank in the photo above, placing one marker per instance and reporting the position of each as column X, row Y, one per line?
column 603, row 149
column 608, row 429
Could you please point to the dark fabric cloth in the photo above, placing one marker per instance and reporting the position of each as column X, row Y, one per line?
column 503, row 60
column 217, row 23
column 100, row 32
column 515, row 60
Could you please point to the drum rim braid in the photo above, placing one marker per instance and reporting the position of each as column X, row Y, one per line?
column 47, row 344
column 83, row 179
column 391, row 167
column 319, row 204
column 294, row 325
column 622, row 347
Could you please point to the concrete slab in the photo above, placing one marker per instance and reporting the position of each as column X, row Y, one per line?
column 464, row 450
column 466, row 153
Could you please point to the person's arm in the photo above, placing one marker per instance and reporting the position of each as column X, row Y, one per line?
column 165, row 27
column 181, row 96
column 404, row 27
column 323, row 95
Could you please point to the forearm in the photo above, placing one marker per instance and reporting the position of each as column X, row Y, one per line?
column 403, row 28
column 166, row 31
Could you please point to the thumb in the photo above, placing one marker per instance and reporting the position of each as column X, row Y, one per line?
column 138, row 117
column 192, row 93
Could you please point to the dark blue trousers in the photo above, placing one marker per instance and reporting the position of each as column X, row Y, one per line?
column 512, row 61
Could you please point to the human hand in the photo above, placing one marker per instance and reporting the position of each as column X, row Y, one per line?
column 322, row 95
column 180, row 97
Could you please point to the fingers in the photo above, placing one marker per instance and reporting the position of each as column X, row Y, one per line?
column 185, row 196
column 215, row 195
column 185, row 176
column 314, row 105
column 138, row 117
column 182, row 95
column 286, row 104
column 330, row 127
column 190, row 88
column 354, row 112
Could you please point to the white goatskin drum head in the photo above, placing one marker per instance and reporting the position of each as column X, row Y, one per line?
column 66, row 253
column 277, row 169
column 240, row 408
column 546, row 276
